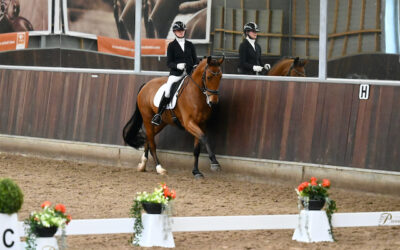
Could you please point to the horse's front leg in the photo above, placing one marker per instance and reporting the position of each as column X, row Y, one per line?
column 196, row 131
column 196, row 152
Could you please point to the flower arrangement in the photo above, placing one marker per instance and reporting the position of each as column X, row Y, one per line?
column 161, row 195
column 50, row 217
column 316, row 190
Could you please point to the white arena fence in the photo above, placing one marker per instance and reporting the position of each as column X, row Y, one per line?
column 228, row 223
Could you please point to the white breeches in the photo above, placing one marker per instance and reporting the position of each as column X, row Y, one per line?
column 171, row 80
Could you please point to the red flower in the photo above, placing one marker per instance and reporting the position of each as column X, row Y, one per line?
column 313, row 179
column 60, row 208
column 46, row 204
column 326, row 183
column 314, row 183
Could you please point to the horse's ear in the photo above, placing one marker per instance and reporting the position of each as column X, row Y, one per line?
column 208, row 60
column 296, row 61
column 220, row 61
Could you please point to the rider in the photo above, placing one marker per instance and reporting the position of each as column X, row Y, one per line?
column 250, row 51
column 181, row 58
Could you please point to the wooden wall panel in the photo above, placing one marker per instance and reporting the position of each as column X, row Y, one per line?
column 294, row 121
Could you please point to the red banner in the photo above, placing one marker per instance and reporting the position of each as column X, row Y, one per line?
column 127, row 48
column 14, row 41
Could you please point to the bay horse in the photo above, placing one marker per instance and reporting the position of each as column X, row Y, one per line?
column 199, row 92
column 289, row 67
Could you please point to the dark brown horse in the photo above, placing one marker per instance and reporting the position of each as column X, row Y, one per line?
column 193, row 108
column 158, row 16
column 10, row 21
column 289, row 67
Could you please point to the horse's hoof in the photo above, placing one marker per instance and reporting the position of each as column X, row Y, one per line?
column 215, row 167
column 141, row 167
column 198, row 176
column 161, row 170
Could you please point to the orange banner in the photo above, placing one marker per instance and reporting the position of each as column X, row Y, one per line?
column 127, row 48
column 14, row 41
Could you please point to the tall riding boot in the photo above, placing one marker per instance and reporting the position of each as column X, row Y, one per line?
column 163, row 104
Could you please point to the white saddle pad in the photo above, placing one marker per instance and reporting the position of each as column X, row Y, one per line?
column 160, row 92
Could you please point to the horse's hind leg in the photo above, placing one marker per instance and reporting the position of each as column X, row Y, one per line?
column 151, row 131
column 143, row 160
column 196, row 152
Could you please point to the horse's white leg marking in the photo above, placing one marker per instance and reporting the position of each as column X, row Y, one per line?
column 161, row 170
column 142, row 165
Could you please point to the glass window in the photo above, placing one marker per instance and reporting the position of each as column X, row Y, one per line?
column 287, row 28
column 363, row 39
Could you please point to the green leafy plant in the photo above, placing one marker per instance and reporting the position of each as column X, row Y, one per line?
column 48, row 217
column 162, row 195
column 11, row 197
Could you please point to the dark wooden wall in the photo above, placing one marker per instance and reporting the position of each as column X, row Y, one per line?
column 304, row 122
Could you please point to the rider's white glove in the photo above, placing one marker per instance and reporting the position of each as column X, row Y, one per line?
column 257, row 68
column 267, row 66
column 181, row 66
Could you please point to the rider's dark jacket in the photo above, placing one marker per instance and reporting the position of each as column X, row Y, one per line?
column 175, row 55
column 249, row 57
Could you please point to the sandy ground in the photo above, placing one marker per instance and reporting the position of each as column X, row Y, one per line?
column 94, row 191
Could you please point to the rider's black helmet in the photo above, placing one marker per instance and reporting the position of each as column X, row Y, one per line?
column 178, row 25
column 250, row 27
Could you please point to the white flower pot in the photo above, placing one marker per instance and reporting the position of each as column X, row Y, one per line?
column 45, row 243
column 9, row 232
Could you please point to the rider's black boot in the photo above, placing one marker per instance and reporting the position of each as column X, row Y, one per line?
column 157, row 117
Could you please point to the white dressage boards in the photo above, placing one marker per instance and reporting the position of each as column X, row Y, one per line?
column 227, row 223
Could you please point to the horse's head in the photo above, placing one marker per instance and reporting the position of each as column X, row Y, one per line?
column 297, row 68
column 210, row 72
column 289, row 67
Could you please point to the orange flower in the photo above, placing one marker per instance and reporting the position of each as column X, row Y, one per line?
column 313, row 179
column 46, row 204
column 173, row 194
column 60, row 208
column 326, row 183
column 69, row 218
column 167, row 193
column 302, row 186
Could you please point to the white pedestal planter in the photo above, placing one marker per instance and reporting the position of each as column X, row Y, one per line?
column 155, row 232
column 313, row 226
column 45, row 243
column 9, row 232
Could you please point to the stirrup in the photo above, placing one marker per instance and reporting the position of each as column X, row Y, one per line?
column 156, row 120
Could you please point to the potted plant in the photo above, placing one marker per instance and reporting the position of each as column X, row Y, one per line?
column 314, row 194
column 45, row 223
column 153, row 203
column 11, row 199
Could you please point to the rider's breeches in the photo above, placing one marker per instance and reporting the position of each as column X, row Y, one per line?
column 171, row 80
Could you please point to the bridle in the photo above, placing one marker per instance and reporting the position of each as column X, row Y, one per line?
column 204, row 89
column 295, row 70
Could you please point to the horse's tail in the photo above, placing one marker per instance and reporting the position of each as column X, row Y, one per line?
column 131, row 133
